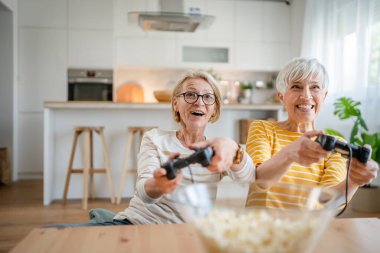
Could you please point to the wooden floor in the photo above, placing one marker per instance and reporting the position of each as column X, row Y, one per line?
column 21, row 210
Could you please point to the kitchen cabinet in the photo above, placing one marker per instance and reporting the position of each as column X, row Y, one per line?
column 261, row 56
column 262, row 21
column 144, row 52
column 223, row 26
column 90, row 14
column 90, row 48
column 256, row 34
column 54, row 35
column 42, row 67
column 42, row 13
column 90, row 34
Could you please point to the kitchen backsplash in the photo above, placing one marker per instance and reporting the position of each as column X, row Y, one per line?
column 231, row 82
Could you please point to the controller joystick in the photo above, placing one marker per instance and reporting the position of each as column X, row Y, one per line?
column 330, row 143
column 201, row 156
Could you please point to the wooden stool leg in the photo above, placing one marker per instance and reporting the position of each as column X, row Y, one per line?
column 92, row 189
column 125, row 166
column 107, row 166
column 69, row 170
column 86, row 165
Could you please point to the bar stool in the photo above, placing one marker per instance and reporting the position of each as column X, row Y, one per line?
column 132, row 132
column 88, row 163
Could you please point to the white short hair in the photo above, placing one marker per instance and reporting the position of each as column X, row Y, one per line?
column 299, row 69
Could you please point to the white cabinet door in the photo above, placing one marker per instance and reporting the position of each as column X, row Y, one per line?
column 223, row 26
column 42, row 13
column 42, row 67
column 90, row 38
column 91, row 14
column 143, row 52
column 260, row 56
column 123, row 25
column 262, row 21
column 90, row 48
column 30, row 143
column 208, row 46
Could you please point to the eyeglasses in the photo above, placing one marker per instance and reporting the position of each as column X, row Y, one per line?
column 192, row 97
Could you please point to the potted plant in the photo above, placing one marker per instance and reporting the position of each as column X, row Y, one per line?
column 246, row 92
column 346, row 108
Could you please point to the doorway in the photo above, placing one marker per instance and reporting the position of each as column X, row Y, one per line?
column 6, row 81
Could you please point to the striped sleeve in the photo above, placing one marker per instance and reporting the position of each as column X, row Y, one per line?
column 335, row 170
column 258, row 142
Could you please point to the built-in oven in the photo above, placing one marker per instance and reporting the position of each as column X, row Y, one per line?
column 90, row 84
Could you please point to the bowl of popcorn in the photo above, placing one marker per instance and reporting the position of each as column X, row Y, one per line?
column 259, row 217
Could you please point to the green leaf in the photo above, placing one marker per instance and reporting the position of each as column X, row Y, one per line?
column 346, row 108
column 374, row 141
column 354, row 132
column 330, row 131
column 362, row 122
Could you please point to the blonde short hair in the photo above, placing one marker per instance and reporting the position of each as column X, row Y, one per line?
column 193, row 74
column 299, row 69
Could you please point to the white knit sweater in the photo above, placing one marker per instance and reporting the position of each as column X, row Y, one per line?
column 156, row 147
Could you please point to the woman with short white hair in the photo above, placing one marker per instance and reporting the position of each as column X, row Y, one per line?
column 286, row 151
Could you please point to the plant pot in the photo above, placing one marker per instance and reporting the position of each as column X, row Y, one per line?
column 367, row 199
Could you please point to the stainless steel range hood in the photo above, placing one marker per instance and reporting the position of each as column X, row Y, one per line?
column 172, row 18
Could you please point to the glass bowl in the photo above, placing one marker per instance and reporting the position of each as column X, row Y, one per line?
column 225, row 223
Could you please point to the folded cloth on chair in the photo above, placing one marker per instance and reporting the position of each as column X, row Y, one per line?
column 99, row 215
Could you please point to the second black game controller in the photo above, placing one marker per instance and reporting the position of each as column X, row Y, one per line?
column 330, row 143
column 201, row 156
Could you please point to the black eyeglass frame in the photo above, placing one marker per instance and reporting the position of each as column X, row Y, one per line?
column 198, row 95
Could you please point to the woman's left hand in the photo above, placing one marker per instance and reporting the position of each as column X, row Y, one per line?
column 363, row 173
column 224, row 152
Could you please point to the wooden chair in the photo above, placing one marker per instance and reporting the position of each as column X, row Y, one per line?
column 88, row 163
column 133, row 131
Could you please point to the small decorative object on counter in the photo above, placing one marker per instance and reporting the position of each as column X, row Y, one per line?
column 130, row 92
column 246, row 92
column 162, row 96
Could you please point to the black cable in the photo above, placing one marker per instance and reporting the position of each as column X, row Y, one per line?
column 191, row 174
column 347, row 177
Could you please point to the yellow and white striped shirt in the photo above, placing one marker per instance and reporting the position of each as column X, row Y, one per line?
column 265, row 139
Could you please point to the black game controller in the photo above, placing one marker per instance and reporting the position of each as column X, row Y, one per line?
column 330, row 143
column 201, row 156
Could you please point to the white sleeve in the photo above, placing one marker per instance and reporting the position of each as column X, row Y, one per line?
column 246, row 174
column 148, row 161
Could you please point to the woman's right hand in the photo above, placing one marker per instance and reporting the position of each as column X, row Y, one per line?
column 163, row 184
column 159, row 184
column 304, row 150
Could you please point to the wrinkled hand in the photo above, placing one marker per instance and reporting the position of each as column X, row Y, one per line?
column 363, row 173
column 162, row 183
column 305, row 151
column 224, row 152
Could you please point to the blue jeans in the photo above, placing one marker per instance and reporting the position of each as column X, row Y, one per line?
column 107, row 223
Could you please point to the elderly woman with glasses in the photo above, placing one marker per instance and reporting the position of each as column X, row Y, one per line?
column 196, row 101
column 286, row 151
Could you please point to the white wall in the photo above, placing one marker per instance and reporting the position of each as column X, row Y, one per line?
column 297, row 13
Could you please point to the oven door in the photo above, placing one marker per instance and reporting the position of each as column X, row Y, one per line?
column 89, row 91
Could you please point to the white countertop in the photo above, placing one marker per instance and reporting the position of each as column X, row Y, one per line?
column 112, row 105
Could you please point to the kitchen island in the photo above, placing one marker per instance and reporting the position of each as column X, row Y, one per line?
column 60, row 119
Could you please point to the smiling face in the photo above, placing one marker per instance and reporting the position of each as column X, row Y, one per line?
column 303, row 100
column 195, row 115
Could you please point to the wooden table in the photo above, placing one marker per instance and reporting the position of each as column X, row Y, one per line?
column 344, row 235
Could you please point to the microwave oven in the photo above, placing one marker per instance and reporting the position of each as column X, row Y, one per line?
column 90, row 85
